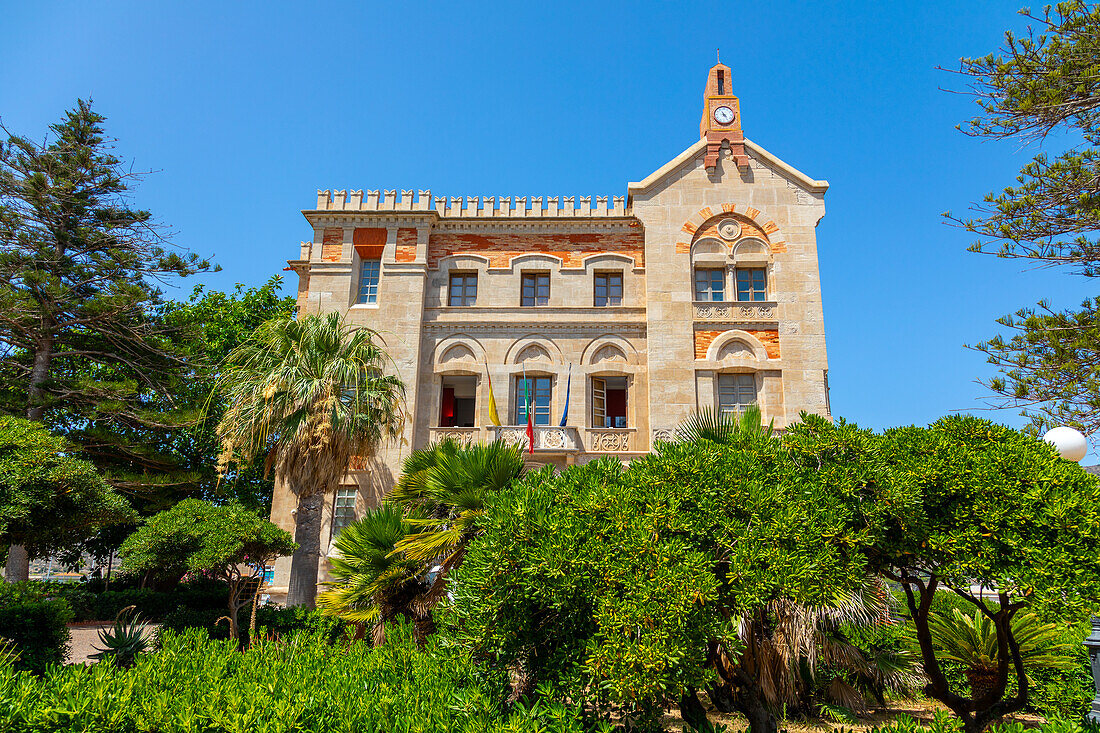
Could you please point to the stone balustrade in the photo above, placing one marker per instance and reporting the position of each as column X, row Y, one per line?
column 610, row 440
column 462, row 436
column 547, row 438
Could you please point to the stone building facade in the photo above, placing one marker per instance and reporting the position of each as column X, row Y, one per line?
column 697, row 289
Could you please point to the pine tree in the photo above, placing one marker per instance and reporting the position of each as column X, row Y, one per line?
column 84, row 346
column 1045, row 83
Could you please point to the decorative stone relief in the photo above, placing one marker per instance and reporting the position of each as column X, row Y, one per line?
column 667, row 435
column 608, row 442
column 720, row 312
column 608, row 353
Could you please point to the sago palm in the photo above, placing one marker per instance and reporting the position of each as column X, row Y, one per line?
column 971, row 640
column 372, row 583
column 308, row 395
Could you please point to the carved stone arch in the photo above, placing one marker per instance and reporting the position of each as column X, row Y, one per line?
column 535, row 353
column 618, row 343
column 735, row 349
column 516, row 350
column 768, row 229
column 459, row 351
column 709, row 246
column 751, row 246
column 759, row 351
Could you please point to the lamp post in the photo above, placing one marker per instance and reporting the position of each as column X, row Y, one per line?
column 1072, row 446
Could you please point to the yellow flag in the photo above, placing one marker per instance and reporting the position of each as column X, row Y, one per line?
column 493, row 417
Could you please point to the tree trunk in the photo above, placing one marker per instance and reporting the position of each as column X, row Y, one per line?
column 302, row 590
column 40, row 372
column 756, row 711
column 19, row 562
column 692, row 711
column 18, row 566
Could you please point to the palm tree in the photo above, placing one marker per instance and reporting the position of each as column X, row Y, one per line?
column 972, row 642
column 396, row 560
column 784, row 644
column 309, row 395
column 374, row 582
column 449, row 484
column 718, row 427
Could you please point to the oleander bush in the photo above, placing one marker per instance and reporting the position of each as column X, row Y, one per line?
column 301, row 684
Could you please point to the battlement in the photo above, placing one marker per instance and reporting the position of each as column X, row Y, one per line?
column 459, row 207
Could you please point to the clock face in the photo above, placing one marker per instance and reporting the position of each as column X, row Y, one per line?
column 723, row 115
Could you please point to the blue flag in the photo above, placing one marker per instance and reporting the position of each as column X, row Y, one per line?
column 568, row 384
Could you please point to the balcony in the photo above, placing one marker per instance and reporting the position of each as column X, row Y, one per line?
column 610, row 440
column 550, row 439
column 462, row 436
column 736, row 311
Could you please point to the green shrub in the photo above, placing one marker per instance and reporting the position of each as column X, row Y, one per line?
column 301, row 684
column 270, row 621
column 38, row 628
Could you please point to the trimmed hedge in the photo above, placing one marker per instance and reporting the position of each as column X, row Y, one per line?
column 302, row 684
column 38, row 628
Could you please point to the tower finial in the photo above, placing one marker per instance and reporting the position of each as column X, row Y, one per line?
column 718, row 53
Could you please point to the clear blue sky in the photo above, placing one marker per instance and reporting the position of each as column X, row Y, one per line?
column 246, row 109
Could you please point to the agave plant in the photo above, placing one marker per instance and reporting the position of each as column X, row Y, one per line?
column 126, row 638
column 971, row 640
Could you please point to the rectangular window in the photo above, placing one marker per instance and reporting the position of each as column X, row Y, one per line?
column 608, row 288
column 609, row 402
column 539, row 396
column 343, row 509
column 710, row 284
column 463, row 289
column 457, row 402
column 369, row 270
column 752, row 284
column 535, row 289
column 735, row 393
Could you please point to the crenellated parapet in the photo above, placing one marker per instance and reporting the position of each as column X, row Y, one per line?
column 463, row 207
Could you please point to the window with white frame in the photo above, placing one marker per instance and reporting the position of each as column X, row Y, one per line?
column 343, row 509
column 710, row 283
column 735, row 393
column 369, row 271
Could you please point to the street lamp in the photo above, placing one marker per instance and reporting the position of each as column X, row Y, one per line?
column 1072, row 446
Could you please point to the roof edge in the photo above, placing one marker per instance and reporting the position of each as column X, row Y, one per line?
column 811, row 184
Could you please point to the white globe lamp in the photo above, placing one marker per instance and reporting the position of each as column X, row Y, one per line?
column 1069, row 443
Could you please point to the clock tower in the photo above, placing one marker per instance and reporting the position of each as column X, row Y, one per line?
column 722, row 118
